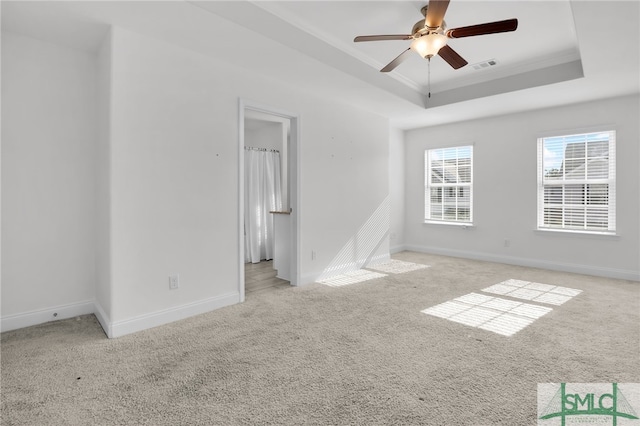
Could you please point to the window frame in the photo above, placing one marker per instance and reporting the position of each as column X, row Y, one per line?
column 454, row 188
column 586, row 183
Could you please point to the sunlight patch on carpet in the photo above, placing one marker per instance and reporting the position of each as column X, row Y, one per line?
column 536, row 292
column 501, row 316
column 353, row 277
column 395, row 266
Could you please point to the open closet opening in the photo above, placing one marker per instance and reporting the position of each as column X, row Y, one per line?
column 268, row 223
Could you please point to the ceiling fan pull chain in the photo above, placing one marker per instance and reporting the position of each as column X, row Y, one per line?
column 429, row 76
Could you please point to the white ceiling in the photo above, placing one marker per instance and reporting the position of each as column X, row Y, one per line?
column 563, row 51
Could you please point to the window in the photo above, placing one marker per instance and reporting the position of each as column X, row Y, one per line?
column 448, row 184
column 577, row 182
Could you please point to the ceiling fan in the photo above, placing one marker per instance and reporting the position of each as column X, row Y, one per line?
column 430, row 36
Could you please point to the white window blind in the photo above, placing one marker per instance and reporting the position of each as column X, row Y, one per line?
column 577, row 182
column 448, row 184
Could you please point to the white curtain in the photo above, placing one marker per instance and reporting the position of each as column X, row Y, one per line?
column 263, row 193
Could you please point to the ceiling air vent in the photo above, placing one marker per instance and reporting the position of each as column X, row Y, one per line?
column 485, row 64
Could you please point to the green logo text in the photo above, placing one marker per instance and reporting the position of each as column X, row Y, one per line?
column 612, row 404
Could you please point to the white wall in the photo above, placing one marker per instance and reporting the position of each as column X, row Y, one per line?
column 48, row 162
column 121, row 168
column 173, row 141
column 173, row 182
column 345, row 187
column 505, row 191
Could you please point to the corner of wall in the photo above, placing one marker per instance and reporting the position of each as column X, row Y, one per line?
column 103, row 319
column 103, row 293
column 396, row 187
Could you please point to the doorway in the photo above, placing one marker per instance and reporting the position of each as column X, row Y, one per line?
column 255, row 118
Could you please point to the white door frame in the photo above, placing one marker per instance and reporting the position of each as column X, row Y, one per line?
column 293, row 155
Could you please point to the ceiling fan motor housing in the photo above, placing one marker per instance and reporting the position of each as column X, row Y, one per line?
column 420, row 29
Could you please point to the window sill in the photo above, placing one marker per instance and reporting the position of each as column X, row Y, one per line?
column 577, row 234
column 463, row 225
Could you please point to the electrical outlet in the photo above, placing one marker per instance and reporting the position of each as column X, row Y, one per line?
column 174, row 281
column 313, row 255
column 507, row 242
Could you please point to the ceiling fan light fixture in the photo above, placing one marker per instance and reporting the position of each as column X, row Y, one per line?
column 429, row 44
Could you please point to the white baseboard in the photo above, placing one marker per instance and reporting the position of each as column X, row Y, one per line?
column 118, row 328
column 309, row 279
column 155, row 319
column 396, row 249
column 344, row 268
column 27, row 319
column 532, row 263
column 381, row 258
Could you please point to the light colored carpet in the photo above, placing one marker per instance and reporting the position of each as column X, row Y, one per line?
column 355, row 354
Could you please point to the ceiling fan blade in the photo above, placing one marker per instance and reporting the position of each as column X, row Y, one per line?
column 397, row 61
column 482, row 29
column 435, row 13
column 452, row 57
column 383, row 37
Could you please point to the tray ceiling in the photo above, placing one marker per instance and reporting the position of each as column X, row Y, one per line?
column 562, row 52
